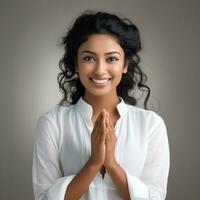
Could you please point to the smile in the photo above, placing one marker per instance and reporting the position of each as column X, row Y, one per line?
column 100, row 82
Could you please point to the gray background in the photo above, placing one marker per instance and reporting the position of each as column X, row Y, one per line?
column 30, row 32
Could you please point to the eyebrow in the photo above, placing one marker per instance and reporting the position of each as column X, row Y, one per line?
column 108, row 53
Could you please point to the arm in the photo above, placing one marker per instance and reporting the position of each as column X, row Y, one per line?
column 119, row 178
column 112, row 167
column 48, row 181
column 81, row 181
column 152, row 184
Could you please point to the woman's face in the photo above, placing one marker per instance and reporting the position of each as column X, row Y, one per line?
column 100, row 64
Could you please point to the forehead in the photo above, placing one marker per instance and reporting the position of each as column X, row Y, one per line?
column 101, row 43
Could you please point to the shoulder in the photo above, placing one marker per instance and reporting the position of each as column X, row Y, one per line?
column 144, row 114
column 50, row 123
column 147, row 118
column 56, row 113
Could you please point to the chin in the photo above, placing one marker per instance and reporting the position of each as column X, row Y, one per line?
column 99, row 94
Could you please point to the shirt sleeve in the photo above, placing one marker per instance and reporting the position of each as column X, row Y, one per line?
column 48, row 182
column 152, row 185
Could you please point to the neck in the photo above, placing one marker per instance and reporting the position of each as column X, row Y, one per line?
column 109, row 102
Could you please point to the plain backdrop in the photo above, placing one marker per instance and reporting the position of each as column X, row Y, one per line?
column 30, row 32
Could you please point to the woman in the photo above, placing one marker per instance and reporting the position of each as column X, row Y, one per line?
column 100, row 145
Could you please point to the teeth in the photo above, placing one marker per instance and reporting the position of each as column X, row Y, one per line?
column 100, row 81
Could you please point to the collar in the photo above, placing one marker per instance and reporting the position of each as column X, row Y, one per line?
column 86, row 110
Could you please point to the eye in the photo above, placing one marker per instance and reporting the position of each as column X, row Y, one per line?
column 88, row 58
column 112, row 59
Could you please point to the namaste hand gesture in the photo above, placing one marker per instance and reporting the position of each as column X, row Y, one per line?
column 103, row 140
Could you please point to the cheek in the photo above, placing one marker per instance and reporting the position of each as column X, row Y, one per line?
column 117, row 70
column 84, row 68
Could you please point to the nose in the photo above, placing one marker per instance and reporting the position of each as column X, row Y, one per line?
column 100, row 67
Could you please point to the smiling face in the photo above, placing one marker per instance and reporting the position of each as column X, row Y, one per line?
column 100, row 64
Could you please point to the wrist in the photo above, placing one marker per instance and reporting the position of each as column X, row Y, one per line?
column 111, row 165
column 93, row 166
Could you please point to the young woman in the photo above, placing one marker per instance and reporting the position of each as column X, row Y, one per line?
column 100, row 145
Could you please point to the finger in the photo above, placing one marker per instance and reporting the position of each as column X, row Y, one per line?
column 107, row 119
column 107, row 126
column 107, row 122
column 106, row 116
column 97, row 126
column 104, row 133
column 110, row 123
column 101, row 121
column 101, row 131
column 98, row 119
column 99, row 116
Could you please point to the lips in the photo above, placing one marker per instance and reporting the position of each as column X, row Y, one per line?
column 100, row 81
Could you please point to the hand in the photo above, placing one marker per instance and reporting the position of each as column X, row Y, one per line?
column 109, row 142
column 98, row 137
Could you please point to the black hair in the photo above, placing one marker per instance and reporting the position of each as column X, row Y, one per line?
column 128, row 36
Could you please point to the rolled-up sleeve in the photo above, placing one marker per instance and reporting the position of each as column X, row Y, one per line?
column 152, row 185
column 48, row 182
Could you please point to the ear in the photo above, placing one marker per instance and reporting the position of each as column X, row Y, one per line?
column 76, row 65
column 125, row 67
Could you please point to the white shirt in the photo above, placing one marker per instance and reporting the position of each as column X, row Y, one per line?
column 63, row 146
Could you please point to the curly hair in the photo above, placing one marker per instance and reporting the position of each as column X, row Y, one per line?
column 128, row 37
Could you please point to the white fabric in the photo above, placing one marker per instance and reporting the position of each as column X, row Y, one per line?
column 63, row 146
